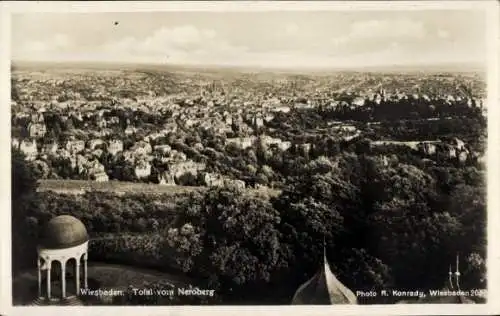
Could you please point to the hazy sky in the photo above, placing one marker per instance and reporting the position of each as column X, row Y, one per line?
column 281, row 39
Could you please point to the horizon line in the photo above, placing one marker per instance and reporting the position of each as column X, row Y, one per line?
column 457, row 66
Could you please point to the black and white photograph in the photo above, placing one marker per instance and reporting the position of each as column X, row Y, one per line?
column 243, row 157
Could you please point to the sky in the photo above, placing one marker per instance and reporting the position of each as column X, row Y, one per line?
column 288, row 39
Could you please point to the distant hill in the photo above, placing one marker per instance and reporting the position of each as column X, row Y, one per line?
column 426, row 68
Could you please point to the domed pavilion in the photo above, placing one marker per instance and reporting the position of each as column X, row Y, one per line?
column 63, row 240
column 324, row 289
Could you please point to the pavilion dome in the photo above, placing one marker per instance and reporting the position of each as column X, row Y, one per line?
column 324, row 289
column 63, row 231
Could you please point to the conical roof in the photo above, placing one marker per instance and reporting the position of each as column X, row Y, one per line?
column 323, row 289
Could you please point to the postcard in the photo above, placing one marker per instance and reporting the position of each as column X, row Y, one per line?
column 242, row 157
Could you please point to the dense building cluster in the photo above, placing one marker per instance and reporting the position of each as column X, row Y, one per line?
column 168, row 130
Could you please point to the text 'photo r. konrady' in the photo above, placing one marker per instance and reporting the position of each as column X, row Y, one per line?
column 249, row 158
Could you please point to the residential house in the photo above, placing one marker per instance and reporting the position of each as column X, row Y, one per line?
column 306, row 147
column 95, row 142
column 170, row 127
column 242, row 142
column 220, row 128
column 257, row 121
column 427, row 148
column 205, row 125
column 115, row 146
column 37, row 118
column 462, row 156
column 482, row 159
column 51, row 147
column 304, row 106
column 143, row 169
column 75, row 145
column 198, row 146
column 103, row 132
column 284, row 146
column 385, row 161
column 268, row 140
column 268, row 117
column 181, row 168
column 29, row 148
column 213, row 180
column 113, row 120
column 96, row 165
column 162, row 149
column 84, row 165
column 100, row 176
column 166, row 178
column 37, row 130
column 102, row 123
column 63, row 153
column 72, row 160
column 142, row 148
column 348, row 128
column 358, row 101
column 239, row 184
column 458, row 144
column 130, row 130
column 177, row 155
column 282, row 109
column 470, row 103
column 228, row 119
column 15, row 142
column 129, row 156
column 98, row 153
column 189, row 123
column 153, row 136
column 451, row 152
column 262, row 187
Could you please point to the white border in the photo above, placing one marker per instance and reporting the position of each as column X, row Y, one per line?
column 493, row 259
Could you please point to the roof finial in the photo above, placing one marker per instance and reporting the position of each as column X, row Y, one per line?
column 457, row 275
column 450, row 278
column 324, row 250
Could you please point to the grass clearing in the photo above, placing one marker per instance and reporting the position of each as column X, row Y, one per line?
column 122, row 187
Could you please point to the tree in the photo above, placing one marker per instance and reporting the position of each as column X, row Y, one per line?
column 320, row 204
column 468, row 205
column 409, row 232
column 24, row 186
column 229, row 238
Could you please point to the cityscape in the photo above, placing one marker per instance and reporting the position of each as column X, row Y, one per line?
column 222, row 174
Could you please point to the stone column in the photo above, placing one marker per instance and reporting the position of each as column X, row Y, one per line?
column 85, row 276
column 77, row 276
column 49, row 265
column 39, row 277
column 63, row 278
